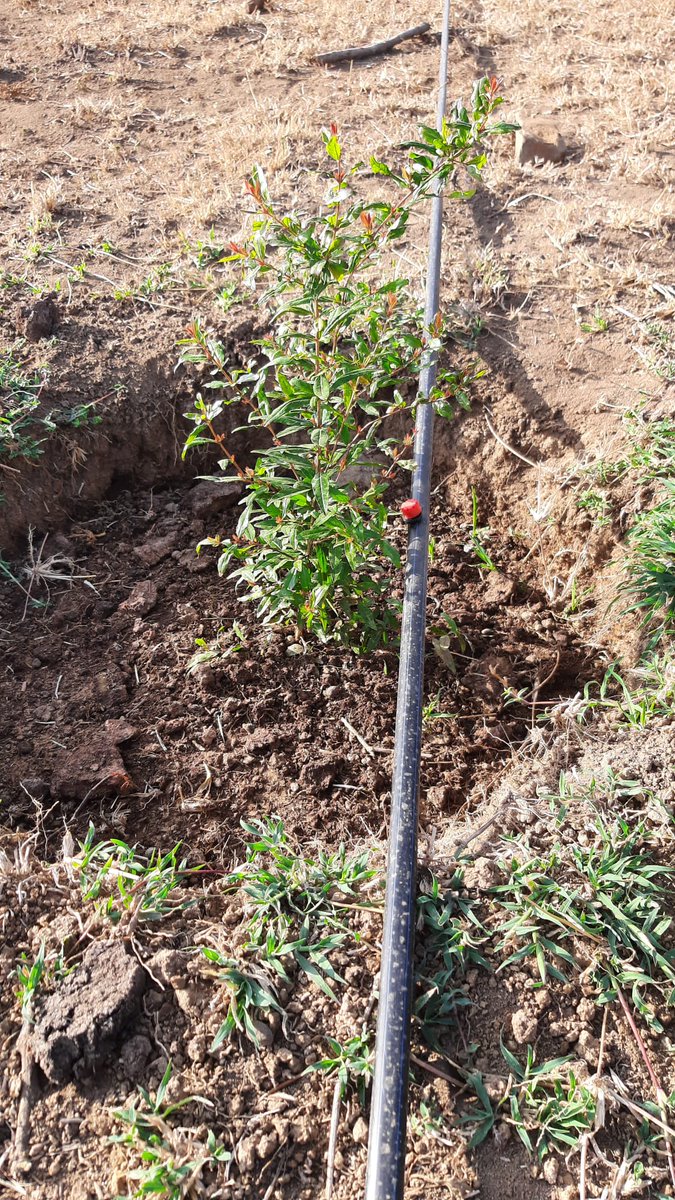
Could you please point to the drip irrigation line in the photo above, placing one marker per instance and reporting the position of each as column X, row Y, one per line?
column 388, row 1118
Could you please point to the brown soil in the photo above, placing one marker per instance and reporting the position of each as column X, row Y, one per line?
column 124, row 137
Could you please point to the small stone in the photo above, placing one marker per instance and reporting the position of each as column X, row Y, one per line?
column 141, row 599
column 360, row 1131
column 502, row 1133
column 265, row 1034
column 586, row 1010
column 247, row 1155
column 498, row 590
column 206, row 677
column 588, row 1047
column 187, row 1000
column 550, row 1169
column 483, row 874
column 41, row 319
column 207, row 499
column 119, row 730
column 524, row 1026
column 155, row 549
column 539, row 141
column 494, row 1086
column 267, row 1146
column 440, row 796
column 38, row 789
column 169, row 968
column 134, row 1056
column 196, row 1049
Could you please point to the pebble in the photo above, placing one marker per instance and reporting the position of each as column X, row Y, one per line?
column 360, row 1131
column 141, row 599
column 524, row 1025
column 265, row 1034
column 588, row 1047
column 550, row 1169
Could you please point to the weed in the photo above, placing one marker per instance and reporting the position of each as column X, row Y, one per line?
column 293, row 901
column 173, row 1161
column 352, row 1063
column 22, row 425
column 490, row 278
column 448, row 937
column 124, row 881
column 429, row 1124
column 478, row 537
column 482, row 1115
column 650, row 566
column 206, row 253
column 227, row 298
column 311, row 545
column 227, row 642
column 550, row 1109
column 294, row 917
column 596, row 505
column 20, row 392
column 597, row 323
column 432, row 710
column 658, row 354
column 30, row 976
column 652, row 446
column 607, row 896
column 648, row 692
column 157, row 281
column 249, row 992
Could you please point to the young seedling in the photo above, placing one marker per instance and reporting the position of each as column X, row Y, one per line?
column 479, row 536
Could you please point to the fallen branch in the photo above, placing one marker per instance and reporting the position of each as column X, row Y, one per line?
column 332, row 1139
column 28, row 1096
column 661, row 1097
column 354, row 52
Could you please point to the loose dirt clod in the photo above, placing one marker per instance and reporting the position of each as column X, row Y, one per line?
column 78, row 1025
column 541, row 141
column 94, row 768
column 41, row 319
column 142, row 598
column 524, row 1026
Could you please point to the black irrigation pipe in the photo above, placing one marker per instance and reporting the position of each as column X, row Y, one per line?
column 388, row 1118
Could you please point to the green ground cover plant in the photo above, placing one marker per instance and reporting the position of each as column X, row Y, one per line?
column 20, row 391
column 332, row 389
column 606, row 899
column 172, row 1160
column 123, row 881
column 296, row 913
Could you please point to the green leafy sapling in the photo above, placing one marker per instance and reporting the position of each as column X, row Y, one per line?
column 332, row 387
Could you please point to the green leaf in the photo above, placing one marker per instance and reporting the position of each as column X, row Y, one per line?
column 333, row 148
